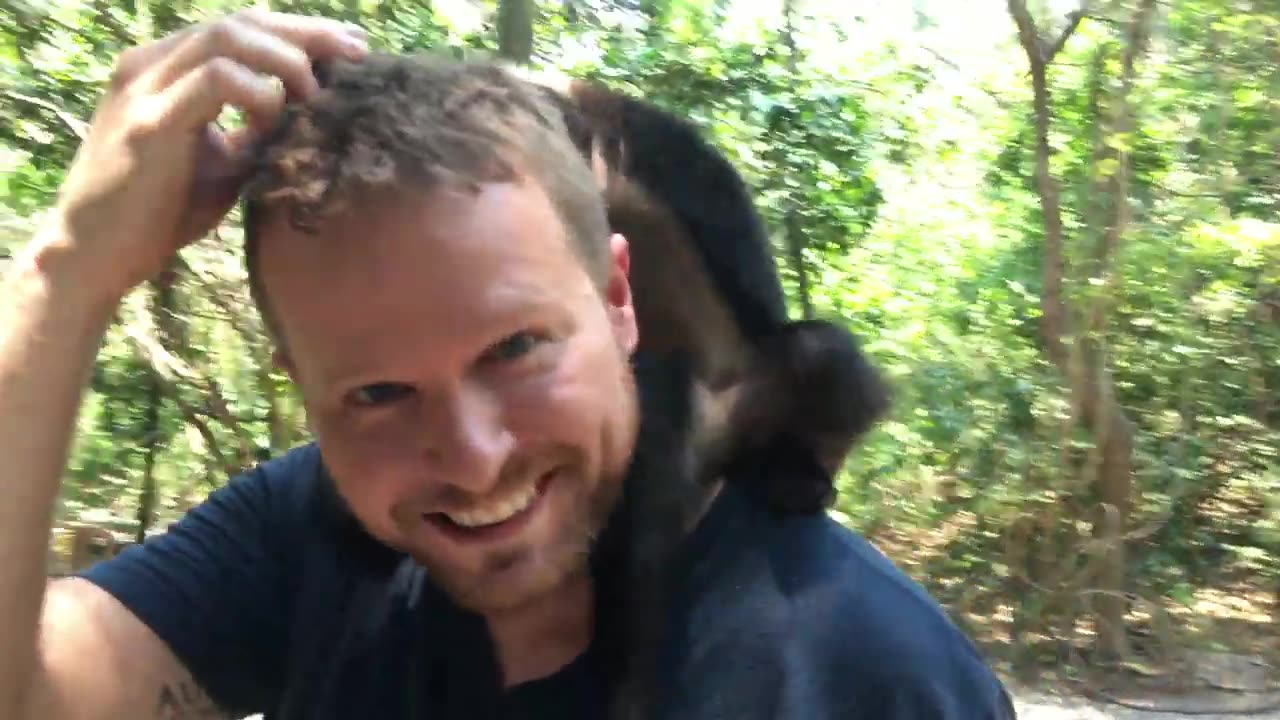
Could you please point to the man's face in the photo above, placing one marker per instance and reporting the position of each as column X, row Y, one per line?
column 466, row 380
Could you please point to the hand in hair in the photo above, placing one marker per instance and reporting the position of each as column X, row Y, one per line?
column 154, row 172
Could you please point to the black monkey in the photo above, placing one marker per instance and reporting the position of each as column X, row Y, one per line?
column 793, row 394
column 729, row 387
column 633, row 557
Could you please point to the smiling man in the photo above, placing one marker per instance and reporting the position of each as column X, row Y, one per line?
column 433, row 260
column 466, row 379
column 447, row 296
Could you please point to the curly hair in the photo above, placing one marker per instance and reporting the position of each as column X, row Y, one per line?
column 424, row 121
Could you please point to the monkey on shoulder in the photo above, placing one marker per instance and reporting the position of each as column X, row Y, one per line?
column 730, row 388
column 780, row 404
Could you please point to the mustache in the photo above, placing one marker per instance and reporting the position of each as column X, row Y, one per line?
column 517, row 473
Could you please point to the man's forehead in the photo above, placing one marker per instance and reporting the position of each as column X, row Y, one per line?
column 380, row 268
column 387, row 336
column 495, row 221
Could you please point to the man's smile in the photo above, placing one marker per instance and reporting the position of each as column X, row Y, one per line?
column 496, row 520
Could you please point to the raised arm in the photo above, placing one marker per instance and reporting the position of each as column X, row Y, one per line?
column 152, row 176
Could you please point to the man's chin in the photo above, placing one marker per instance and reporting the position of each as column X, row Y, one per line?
column 508, row 582
column 556, row 548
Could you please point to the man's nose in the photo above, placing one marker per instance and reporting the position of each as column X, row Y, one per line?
column 466, row 441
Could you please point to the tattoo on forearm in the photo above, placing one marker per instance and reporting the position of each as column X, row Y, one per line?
column 186, row 700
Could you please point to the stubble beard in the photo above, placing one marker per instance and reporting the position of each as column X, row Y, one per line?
column 566, row 558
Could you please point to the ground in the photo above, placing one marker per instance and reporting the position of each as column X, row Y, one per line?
column 1040, row 705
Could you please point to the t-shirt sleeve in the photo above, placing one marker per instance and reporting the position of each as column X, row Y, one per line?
column 216, row 586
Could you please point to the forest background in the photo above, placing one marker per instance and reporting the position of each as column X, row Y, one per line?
column 1054, row 225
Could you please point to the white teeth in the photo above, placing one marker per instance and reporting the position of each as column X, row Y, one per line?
column 496, row 512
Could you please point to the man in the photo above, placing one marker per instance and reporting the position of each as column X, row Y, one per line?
column 434, row 264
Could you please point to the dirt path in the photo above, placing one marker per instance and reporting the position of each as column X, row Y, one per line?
column 1039, row 705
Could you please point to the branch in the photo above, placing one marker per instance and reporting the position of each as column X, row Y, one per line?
column 1038, row 51
column 1123, row 124
column 77, row 126
column 228, row 468
column 1028, row 35
column 1000, row 102
column 170, row 369
column 1073, row 21
column 1054, row 319
column 250, row 333
column 163, row 371
column 1192, row 196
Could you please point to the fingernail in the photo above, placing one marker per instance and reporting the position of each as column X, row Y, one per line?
column 356, row 46
column 356, row 30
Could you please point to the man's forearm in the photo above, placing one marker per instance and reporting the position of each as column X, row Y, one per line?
column 52, row 317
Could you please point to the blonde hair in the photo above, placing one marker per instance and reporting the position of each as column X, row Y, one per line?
column 421, row 121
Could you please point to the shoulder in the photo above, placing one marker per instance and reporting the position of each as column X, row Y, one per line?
column 232, row 562
column 262, row 506
column 844, row 627
column 860, row 615
column 816, row 561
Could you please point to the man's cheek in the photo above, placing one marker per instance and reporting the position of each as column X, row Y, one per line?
column 368, row 445
column 581, row 388
column 381, row 507
column 374, row 474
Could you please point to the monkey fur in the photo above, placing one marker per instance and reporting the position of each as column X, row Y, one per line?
column 729, row 387
column 704, row 285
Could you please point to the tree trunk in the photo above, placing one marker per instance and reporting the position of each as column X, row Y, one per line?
column 147, row 499
column 1082, row 357
column 795, row 250
column 792, row 226
column 515, row 30
column 277, row 428
column 238, row 312
column 165, row 351
column 163, row 310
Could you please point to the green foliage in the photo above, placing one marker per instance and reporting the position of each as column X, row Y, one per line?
column 801, row 135
column 915, row 200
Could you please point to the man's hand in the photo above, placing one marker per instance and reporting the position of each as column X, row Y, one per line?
column 154, row 173
column 152, row 176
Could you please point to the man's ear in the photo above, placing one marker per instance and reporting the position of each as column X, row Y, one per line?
column 617, row 295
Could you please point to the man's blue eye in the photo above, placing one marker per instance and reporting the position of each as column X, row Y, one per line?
column 513, row 347
column 380, row 393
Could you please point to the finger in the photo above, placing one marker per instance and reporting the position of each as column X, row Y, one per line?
column 238, row 142
column 224, row 155
column 220, row 172
column 247, row 45
column 321, row 38
column 139, row 59
column 197, row 98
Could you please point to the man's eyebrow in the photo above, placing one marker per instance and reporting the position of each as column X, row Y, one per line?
column 507, row 311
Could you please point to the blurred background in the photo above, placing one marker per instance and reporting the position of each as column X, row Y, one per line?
column 1054, row 226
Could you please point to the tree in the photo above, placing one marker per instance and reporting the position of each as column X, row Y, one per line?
column 1072, row 333
column 515, row 29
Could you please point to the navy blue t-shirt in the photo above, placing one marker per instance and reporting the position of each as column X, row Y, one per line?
column 280, row 604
